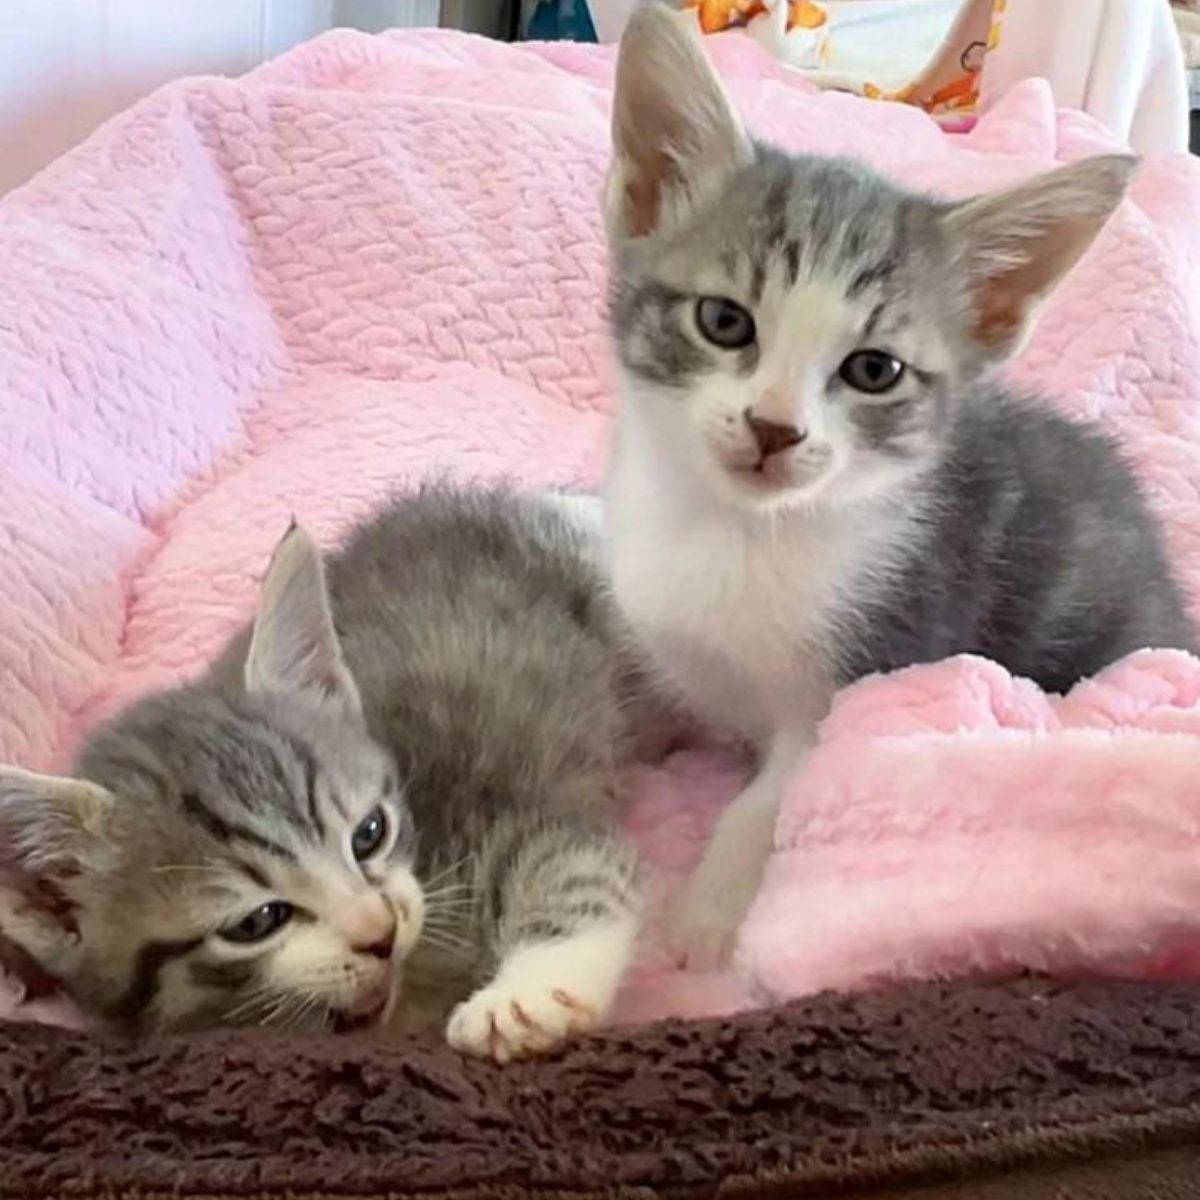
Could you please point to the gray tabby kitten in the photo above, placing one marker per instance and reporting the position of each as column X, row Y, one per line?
column 392, row 796
column 814, row 475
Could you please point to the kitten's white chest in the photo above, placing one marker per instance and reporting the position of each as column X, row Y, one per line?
column 734, row 613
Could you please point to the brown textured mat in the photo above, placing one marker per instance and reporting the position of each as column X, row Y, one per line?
column 1084, row 1092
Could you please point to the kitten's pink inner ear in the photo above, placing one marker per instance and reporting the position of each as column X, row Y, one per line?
column 644, row 188
column 674, row 131
column 1005, row 301
column 1015, row 246
column 294, row 646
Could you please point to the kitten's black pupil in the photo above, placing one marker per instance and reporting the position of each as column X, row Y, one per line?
column 263, row 921
column 369, row 834
column 725, row 322
column 871, row 371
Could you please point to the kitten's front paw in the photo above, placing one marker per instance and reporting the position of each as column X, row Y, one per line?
column 510, row 1019
column 544, row 993
column 703, row 925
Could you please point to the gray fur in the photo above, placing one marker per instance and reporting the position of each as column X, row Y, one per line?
column 1036, row 549
column 471, row 689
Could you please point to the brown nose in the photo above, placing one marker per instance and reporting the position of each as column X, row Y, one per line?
column 771, row 436
column 381, row 948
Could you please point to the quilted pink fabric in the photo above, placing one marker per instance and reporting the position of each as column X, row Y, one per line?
column 378, row 257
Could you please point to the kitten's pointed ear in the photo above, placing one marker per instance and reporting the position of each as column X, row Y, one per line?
column 675, row 133
column 49, row 823
column 294, row 647
column 1016, row 245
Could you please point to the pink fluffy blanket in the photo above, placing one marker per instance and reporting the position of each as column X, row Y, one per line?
column 380, row 256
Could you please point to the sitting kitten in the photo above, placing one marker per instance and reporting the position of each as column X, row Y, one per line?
column 813, row 478
column 395, row 791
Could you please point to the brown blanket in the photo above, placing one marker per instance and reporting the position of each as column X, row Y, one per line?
column 1085, row 1092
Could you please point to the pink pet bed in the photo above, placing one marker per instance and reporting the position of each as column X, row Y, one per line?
column 377, row 257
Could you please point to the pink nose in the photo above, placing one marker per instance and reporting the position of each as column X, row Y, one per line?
column 772, row 436
column 382, row 948
column 370, row 928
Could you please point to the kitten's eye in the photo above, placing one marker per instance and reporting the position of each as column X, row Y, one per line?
column 871, row 371
column 259, row 924
column 369, row 835
column 724, row 322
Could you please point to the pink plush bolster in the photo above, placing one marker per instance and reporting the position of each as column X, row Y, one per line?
column 954, row 819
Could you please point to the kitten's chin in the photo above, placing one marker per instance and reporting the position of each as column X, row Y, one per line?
column 372, row 1010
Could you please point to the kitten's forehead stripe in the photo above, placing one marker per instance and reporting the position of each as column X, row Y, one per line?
column 254, row 875
column 791, row 253
column 340, row 805
column 147, row 970
column 232, row 831
column 309, row 766
column 873, row 320
column 758, row 279
column 874, row 273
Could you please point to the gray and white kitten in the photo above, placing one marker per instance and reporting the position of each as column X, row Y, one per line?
column 814, row 477
column 393, row 796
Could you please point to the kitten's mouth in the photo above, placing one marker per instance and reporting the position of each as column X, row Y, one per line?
column 767, row 474
column 344, row 1022
column 777, row 473
column 366, row 1015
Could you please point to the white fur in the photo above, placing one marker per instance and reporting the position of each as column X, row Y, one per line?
column 734, row 603
column 545, row 992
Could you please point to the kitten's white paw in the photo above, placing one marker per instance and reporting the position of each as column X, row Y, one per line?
column 511, row 1020
column 544, row 994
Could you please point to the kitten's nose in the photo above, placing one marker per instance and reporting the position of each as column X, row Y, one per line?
column 370, row 927
column 771, row 436
column 382, row 947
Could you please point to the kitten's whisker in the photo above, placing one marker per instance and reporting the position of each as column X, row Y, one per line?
column 250, row 1008
column 454, row 866
column 279, row 1013
column 450, row 889
column 458, row 947
column 449, row 904
column 302, row 1010
column 445, row 936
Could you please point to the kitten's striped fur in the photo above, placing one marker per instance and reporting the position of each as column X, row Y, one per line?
column 470, row 691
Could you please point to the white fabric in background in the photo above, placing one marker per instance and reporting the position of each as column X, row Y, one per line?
column 1119, row 61
column 609, row 17
column 886, row 42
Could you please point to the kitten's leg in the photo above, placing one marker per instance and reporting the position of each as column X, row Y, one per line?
column 569, row 915
column 704, row 923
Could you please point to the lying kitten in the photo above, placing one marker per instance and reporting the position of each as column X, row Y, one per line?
column 393, row 793
column 813, row 478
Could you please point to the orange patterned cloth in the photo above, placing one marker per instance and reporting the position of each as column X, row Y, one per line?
column 719, row 15
column 948, row 88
